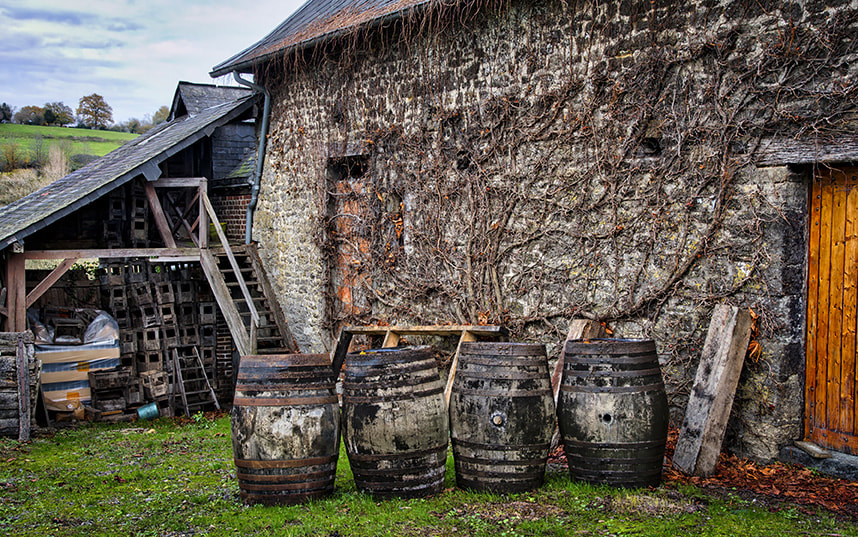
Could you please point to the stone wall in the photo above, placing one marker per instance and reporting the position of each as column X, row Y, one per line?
column 528, row 164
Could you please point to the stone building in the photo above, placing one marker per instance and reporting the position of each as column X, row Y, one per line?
column 527, row 163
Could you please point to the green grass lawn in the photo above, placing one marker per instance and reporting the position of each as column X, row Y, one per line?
column 164, row 478
column 75, row 141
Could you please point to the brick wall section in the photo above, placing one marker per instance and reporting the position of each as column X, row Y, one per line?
column 449, row 88
column 230, row 205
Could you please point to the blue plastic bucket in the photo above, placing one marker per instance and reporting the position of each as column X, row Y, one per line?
column 148, row 412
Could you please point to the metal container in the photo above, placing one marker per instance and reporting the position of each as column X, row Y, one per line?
column 148, row 412
column 612, row 412
column 501, row 416
column 395, row 424
column 285, row 428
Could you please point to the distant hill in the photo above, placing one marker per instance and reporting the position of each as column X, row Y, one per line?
column 32, row 156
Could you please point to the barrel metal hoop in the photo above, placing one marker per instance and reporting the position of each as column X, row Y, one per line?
column 659, row 443
column 495, row 462
column 371, row 457
column 362, row 371
column 284, row 401
column 625, row 359
column 292, row 463
column 308, row 485
column 282, row 478
column 657, row 387
column 498, row 447
column 504, row 361
column 498, row 375
column 634, row 373
column 388, row 398
column 270, row 387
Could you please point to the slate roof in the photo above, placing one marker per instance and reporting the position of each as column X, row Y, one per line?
column 314, row 22
column 139, row 156
column 192, row 98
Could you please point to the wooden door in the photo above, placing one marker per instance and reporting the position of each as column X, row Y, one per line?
column 830, row 394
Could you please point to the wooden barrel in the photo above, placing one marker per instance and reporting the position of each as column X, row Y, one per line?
column 501, row 416
column 395, row 422
column 285, row 428
column 612, row 412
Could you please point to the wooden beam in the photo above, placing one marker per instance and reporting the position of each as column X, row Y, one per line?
column 225, row 303
column 340, row 351
column 432, row 330
column 466, row 337
column 160, row 217
column 16, row 296
column 49, row 280
column 178, row 182
column 112, row 253
column 785, row 150
column 391, row 339
column 203, row 218
column 711, row 398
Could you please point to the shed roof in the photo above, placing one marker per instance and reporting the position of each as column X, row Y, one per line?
column 316, row 21
column 192, row 98
column 140, row 156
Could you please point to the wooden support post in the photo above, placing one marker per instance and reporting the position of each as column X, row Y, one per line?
column 391, row 339
column 160, row 217
column 49, row 280
column 23, row 371
column 708, row 410
column 16, row 296
column 578, row 329
column 448, row 390
column 203, row 229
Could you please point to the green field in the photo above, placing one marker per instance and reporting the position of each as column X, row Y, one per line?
column 31, row 139
column 171, row 478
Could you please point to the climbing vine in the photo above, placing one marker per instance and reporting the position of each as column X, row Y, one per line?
column 528, row 164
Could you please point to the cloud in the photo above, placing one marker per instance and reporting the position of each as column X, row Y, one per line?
column 131, row 52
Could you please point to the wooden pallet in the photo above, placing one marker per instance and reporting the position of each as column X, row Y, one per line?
column 392, row 335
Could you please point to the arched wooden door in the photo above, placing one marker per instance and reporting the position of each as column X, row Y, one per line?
column 831, row 415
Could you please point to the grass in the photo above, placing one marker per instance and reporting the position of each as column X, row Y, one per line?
column 165, row 478
column 75, row 141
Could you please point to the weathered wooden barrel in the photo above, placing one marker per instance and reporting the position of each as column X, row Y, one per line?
column 612, row 412
column 501, row 416
column 285, row 428
column 395, row 426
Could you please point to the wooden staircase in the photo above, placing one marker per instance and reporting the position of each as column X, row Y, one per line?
column 271, row 334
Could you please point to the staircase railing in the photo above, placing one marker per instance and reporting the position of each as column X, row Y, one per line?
column 245, row 292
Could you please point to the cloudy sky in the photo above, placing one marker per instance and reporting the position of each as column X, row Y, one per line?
column 131, row 52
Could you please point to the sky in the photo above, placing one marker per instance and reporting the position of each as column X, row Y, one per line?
column 131, row 52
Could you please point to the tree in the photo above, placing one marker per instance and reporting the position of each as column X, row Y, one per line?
column 62, row 113
column 30, row 115
column 160, row 115
column 6, row 113
column 94, row 112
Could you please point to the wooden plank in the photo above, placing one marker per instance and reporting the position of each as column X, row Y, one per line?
column 431, row 330
column 112, row 253
column 160, row 217
column 49, row 280
column 178, row 182
column 821, row 336
column 466, row 336
column 812, row 307
column 835, row 320
column 225, row 303
column 391, row 339
column 578, row 329
column 850, row 315
column 711, row 399
column 177, row 371
column 16, row 284
column 206, row 377
column 780, row 151
column 23, row 372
